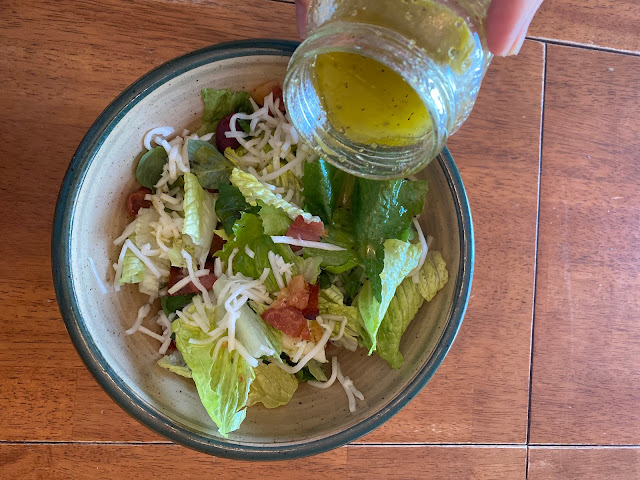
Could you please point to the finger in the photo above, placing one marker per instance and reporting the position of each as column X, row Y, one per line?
column 301, row 16
column 507, row 24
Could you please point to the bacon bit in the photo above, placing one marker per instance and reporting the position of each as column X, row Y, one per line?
column 176, row 274
column 136, row 201
column 216, row 244
column 311, row 311
column 222, row 142
column 316, row 331
column 312, row 232
column 172, row 347
column 296, row 294
column 288, row 320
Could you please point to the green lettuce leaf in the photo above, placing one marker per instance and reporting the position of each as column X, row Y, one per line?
column 182, row 370
column 272, row 387
column 383, row 210
column 172, row 303
column 150, row 166
column 402, row 309
column 249, row 232
column 230, row 205
column 199, row 212
column 210, row 167
column 255, row 191
column 352, row 281
column 323, row 184
column 399, row 259
column 405, row 305
column 220, row 103
column 133, row 270
column 433, row 275
column 223, row 382
column 309, row 268
column 274, row 220
column 313, row 370
column 336, row 261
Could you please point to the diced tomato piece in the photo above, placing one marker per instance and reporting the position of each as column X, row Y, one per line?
column 296, row 294
column 216, row 244
column 288, row 320
column 136, row 201
column 176, row 274
column 311, row 311
column 222, row 142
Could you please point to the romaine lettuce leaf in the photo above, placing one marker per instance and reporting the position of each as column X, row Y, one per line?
column 274, row 220
column 199, row 212
column 323, row 184
column 223, row 382
column 182, row 370
column 210, row 167
column 272, row 386
column 402, row 308
column 405, row 304
column 133, row 270
column 433, row 275
column 220, row 103
column 399, row 259
column 253, row 191
column 382, row 210
column 309, row 268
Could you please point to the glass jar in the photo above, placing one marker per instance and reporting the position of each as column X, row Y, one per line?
column 379, row 85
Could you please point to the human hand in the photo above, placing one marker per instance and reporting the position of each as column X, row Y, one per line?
column 507, row 23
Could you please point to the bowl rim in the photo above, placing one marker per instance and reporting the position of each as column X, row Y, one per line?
column 93, row 359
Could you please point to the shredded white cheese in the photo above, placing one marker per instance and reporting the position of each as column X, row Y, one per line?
column 307, row 243
column 155, row 133
column 92, row 264
column 415, row 273
column 143, row 311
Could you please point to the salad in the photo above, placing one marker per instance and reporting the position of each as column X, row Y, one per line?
column 261, row 260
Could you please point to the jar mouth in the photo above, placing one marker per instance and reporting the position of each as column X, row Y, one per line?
column 398, row 53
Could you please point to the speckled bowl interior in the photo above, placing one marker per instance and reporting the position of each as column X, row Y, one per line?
column 91, row 212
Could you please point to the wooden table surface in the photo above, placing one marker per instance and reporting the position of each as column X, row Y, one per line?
column 543, row 381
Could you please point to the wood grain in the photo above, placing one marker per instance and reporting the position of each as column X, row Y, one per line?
column 601, row 23
column 586, row 364
column 437, row 463
column 480, row 392
column 584, row 463
column 88, row 461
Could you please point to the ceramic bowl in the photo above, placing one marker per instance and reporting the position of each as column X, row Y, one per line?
column 91, row 212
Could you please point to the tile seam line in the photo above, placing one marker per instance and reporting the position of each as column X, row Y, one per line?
column 581, row 46
column 539, row 446
column 536, row 250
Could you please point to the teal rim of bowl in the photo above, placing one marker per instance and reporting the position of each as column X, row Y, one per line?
column 93, row 359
